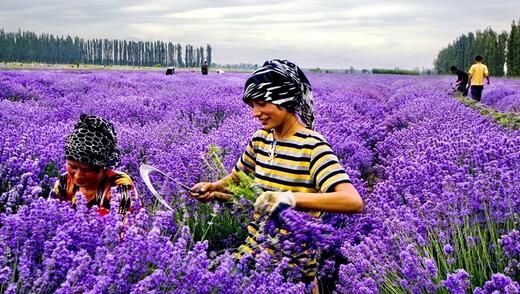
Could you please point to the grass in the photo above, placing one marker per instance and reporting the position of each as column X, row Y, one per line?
column 507, row 119
column 477, row 250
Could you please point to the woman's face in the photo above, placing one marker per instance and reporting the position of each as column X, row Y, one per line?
column 270, row 115
column 84, row 175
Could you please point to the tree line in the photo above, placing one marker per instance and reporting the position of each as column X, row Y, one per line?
column 26, row 46
column 498, row 49
column 395, row 71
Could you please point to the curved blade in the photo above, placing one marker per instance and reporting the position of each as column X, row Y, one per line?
column 145, row 171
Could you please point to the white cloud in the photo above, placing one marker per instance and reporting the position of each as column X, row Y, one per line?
column 372, row 33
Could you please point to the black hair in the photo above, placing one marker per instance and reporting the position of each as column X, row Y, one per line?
column 96, row 168
column 290, row 107
column 453, row 68
column 478, row 58
column 93, row 168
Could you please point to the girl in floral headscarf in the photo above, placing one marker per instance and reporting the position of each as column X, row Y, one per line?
column 90, row 154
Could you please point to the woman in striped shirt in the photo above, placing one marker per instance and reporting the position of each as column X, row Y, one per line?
column 290, row 161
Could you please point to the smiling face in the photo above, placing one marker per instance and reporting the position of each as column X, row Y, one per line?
column 84, row 175
column 270, row 115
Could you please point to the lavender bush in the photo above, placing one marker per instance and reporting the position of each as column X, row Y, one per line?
column 503, row 95
column 426, row 166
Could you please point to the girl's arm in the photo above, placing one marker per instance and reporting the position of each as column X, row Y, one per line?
column 344, row 199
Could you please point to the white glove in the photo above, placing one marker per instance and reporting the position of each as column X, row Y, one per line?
column 268, row 201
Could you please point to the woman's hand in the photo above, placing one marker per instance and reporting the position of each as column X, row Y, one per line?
column 204, row 191
column 267, row 202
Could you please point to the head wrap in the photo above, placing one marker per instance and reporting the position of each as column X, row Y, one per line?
column 93, row 142
column 281, row 82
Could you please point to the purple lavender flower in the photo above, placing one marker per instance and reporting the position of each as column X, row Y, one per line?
column 448, row 250
column 499, row 283
column 470, row 241
column 422, row 162
column 457, row 282
column 5, row 275
column 431, row 267
column 511, row 243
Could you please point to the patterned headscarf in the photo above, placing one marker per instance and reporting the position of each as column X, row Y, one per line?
column 93, row 142
column 281, row 82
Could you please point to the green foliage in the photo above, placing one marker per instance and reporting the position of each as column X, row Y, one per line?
column 224, row 227
column 507, row 119
column 245, row 188
column 513, row 51
column 15, row 98
column 51, row 169
column 213, row 161
column 209, row 57
column 25, row 46
column 462, row 51
column 476, row 249
column 221, row 224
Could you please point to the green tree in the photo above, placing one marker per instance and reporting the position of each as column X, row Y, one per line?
column 209, row 54
column 179, row 55
column 513, row 51
column 488, row 43
column 25, row 46
column 501, row 57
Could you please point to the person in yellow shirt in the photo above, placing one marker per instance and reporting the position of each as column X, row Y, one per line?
column 477, row 72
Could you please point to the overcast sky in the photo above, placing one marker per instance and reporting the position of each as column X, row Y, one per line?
column 327, row 34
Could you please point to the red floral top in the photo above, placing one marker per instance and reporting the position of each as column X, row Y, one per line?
column 65, row 190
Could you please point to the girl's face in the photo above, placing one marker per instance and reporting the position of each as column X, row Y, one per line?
column 270, row 115
column 84, row 175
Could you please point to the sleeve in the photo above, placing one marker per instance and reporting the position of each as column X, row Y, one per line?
column 471, row 69
column 128, row 196
column 129, row 199
column 486, row 72
column 325, row 169
column 247, row 161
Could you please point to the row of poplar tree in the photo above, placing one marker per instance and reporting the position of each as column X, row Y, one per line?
column 25, row 46
column 497, row 49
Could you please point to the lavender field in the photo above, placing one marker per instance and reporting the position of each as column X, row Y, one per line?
column 441, row 184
